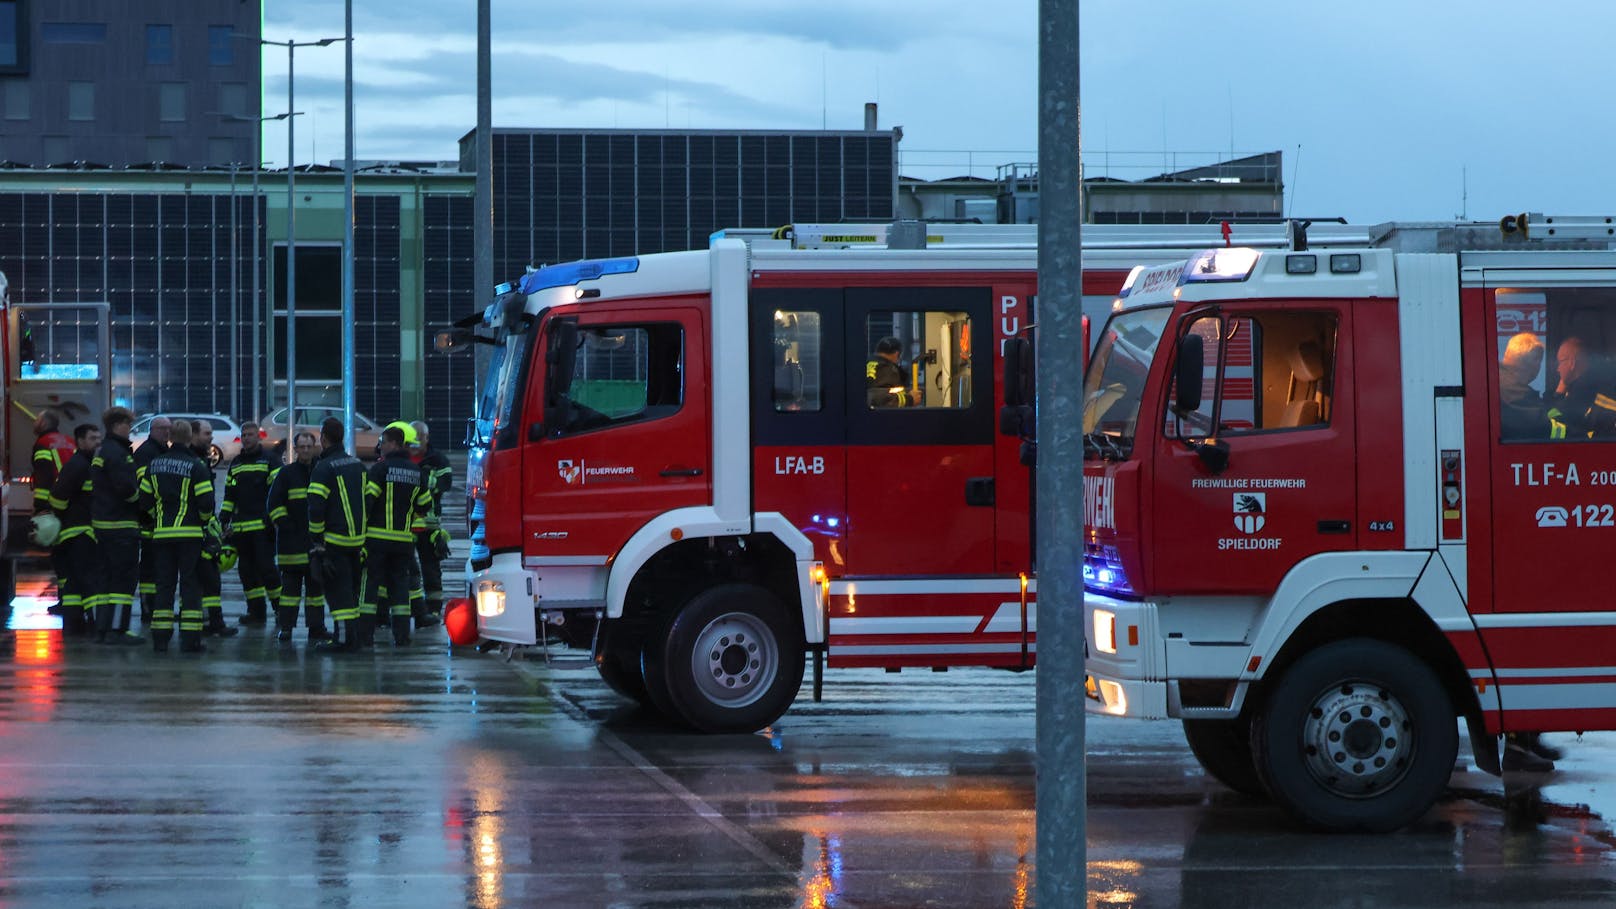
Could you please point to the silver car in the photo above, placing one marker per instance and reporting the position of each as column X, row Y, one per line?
column 366, row 432
column 226, row 433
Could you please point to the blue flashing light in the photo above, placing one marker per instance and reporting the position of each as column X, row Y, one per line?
column 1102, row 570
column 571, row 273
column 1234, row 263
column 833, row 521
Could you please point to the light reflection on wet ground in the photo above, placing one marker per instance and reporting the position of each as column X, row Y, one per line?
column 258, row 775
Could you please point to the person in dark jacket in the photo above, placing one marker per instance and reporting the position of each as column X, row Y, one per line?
column 156, row 443
column 289, row 512
column 337, row 534
column 397, row 497
column 74, row 555
column 884, row 382
column 177, row 491
column 207, row 565
column 246, row 524
column 51, row 451
column 115, row 515
column 429, row 545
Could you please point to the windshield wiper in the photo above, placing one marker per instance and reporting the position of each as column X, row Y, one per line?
column 1103, row 446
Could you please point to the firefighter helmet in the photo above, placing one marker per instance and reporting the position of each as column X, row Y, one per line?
column 406, row 429
column 45, row 530
column 227, row 557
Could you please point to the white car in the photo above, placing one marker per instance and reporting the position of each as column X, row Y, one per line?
column 226, row 433
column 367, row 433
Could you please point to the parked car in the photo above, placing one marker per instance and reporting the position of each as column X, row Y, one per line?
column 226, row 433
column 367, row 433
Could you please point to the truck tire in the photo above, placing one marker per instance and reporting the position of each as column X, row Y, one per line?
column 1224, row 749
column 732, row 659
column 1357, row 735
column 619, row 668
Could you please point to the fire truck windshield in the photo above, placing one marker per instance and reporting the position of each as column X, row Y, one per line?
column 505, row 374
column 1116, row 379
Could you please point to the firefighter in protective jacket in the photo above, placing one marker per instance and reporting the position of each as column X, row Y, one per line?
column 289, row 512
column 432, row 547
column 246, row 525
column 74, row 554
column 397, row 499
column 177, row 491
column 336, row 503
column 115, row 515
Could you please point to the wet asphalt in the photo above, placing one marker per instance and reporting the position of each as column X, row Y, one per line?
column 265, row 775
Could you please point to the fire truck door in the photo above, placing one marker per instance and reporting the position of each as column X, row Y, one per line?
column 1551, row 427
column 920, row 431
column 630, row 440
column 1278, row 386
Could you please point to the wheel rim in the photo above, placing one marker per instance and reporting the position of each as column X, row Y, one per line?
column 1357, row 739
column 735, row 659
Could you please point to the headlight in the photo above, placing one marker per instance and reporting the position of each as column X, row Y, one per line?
column 490, row 598
column 1105, row 631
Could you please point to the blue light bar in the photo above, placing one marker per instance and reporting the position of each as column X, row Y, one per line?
column 571, row 273
column 1216, row 265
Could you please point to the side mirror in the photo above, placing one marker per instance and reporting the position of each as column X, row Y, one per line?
column 1018, row 382
column 1214, row 453
column 452, row 340
column 559, row 360
column 1190, row 372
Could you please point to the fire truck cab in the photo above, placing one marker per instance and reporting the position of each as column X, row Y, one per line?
column 1338, row 498
column 703, row 466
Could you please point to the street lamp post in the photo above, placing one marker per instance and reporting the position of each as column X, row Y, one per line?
column 257, row 255
column 291, row 234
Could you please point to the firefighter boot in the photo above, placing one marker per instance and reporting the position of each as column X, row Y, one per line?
column 434, row 614
column 285, row 621
column 191, row 642
column 401, row 631
column 104, row 615
column 363, row 633
column 337, row 642
column 314, row 621
column 160, row 638
column 216, row 625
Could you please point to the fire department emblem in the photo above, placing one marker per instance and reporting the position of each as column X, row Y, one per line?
column 1249, row 511
column 570, row 472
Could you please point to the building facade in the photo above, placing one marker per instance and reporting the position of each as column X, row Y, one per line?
column 119, row 84
column 172, row 252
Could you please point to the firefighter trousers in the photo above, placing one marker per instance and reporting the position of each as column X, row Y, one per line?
column 119, row 560
column 79, row 581
column 387, row 586
column 174, row 563
column 212, row 585
column 431, row 571
column 148, row 576
column 299, row 586
column 260, row 582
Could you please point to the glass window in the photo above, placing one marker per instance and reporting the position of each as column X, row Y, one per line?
column 73, row 32
column 233, row 98
column 16, row 99
column 319, row 347
column 58, row 343
column 917, row 359
column 159, row 148
column 171, row 102
column 622, row 374
column 1556, row 365
column 13, row 30
column 81, row 100
column 159, row 44
column 221, row 47
column 797, row 344
column 1277, row 373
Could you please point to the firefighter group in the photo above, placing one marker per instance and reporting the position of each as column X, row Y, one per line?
column 318, row 532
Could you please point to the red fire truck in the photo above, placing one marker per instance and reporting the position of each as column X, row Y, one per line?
column 1402, row 520
column 703, row 465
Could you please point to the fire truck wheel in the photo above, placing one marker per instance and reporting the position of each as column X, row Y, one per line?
column 734, row 659
column 621, row 673
column 1357, row 735
column 1224, row 749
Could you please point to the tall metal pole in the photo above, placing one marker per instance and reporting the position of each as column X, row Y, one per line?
column 257, row 297
column 483, row 218
column 348, row 391
column 1062, row 775
column 291, row 257
column 235, row 298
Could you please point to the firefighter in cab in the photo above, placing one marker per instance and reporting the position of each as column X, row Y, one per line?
column 884, row 381
column 397, row 499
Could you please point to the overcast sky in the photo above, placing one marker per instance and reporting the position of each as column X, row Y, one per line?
column 1383, row 110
